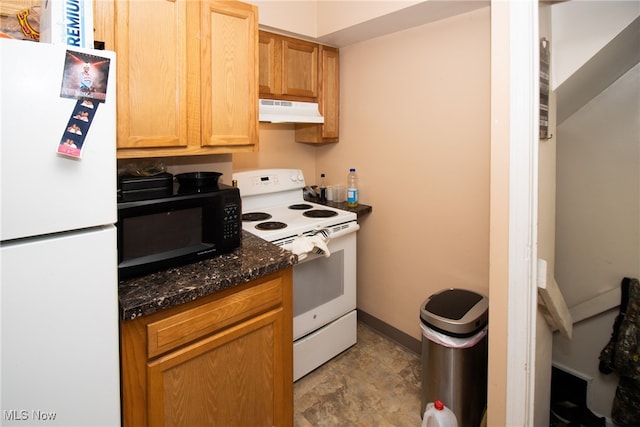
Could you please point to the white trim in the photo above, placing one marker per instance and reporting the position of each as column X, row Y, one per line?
column 523, row 207
column 608, row 300
column 581, row 375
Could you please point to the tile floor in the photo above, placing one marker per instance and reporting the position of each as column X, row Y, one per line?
column 375, row 383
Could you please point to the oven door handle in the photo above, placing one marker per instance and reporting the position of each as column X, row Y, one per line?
column 330, row 234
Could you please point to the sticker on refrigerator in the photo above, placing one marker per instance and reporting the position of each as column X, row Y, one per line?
column 85, row 79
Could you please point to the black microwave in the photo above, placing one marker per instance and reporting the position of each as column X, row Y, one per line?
column 177, row 229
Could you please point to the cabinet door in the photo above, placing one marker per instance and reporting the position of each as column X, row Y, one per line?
column 232, row 349
column 299, row 68
column 330, row 93
column 150, row 40
column 288, row 68
column 233, row 378
column 270, row 76
column 229, row 74
column 328, row 99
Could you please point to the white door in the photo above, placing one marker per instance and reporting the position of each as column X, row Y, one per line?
column 42, row 191
column 59, row 331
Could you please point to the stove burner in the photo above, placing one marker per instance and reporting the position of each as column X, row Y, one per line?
column 300, row 206
column 255, row 216
column 271, row 225
column 320, row 213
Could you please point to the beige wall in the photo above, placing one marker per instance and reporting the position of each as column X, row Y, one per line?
column 279, row 150
column 417, row 130
column 598, row 236
column 299, row 17
column 415, row 124
column 499, row 218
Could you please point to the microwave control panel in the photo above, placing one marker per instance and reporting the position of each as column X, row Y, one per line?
column 231, row 221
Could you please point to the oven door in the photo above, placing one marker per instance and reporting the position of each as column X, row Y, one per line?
column 324, row 288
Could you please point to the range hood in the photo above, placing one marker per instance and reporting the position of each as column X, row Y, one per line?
column 276, row 111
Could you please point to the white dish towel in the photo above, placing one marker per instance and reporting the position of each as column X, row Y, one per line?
column 303, row 245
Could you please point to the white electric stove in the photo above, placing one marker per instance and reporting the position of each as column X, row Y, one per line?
column 324, row 284
column 274, row 209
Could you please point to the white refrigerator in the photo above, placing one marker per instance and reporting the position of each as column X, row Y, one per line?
column 59, row 351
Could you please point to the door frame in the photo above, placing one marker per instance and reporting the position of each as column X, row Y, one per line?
column 514, row 205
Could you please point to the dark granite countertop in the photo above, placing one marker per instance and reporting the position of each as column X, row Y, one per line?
column 359, row 210
column 154, row 292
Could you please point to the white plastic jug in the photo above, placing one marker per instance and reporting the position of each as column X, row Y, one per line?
column 438, row 415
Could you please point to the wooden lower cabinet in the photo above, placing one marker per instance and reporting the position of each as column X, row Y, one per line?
column 224, row 361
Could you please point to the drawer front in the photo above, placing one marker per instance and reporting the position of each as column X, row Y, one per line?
column 167, row 334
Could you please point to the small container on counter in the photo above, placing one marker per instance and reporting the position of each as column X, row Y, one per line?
column 323, row 189
column 339, row 193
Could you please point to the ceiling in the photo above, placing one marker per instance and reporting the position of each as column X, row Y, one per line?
column 604, row 68
column 412, row 16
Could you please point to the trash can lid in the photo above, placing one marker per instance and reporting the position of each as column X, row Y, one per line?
column 455, row 312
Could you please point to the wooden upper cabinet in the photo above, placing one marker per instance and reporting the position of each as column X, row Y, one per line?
column 270, row 56
column 186, row 75
column 300, row 68
column 151, row 73
column 229, row 74
column 328, row 100
column 288, row 68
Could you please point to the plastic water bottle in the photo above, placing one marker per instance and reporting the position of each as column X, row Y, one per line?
column 352, row 188
column 438, row 415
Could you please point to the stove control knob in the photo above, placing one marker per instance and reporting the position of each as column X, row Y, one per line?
column 296, row 177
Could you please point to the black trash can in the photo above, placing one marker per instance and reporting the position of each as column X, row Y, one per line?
column 454, row 353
